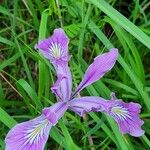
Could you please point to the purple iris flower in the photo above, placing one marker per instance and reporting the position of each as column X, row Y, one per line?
column 33, row 134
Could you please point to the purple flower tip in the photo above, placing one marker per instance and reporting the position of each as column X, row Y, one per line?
column 33, row 134
column 30, row 135
column 55, row 48
column 127, row 116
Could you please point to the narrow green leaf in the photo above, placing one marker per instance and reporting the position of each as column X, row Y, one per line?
column 68, row 140
column 24, row 62
column 7, row 13
column 6, row 41
column 42, row 67
column 31, row 93
column 2, row 144
column 7, row 119
column 122, row 21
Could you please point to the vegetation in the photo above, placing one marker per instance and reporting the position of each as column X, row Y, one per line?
column 93, row 26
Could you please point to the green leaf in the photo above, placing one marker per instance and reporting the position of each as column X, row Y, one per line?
column 68, row 139
column 122, row 21
column 7, row 119
column 43, row 77
column 32, row 94
column 6, row 41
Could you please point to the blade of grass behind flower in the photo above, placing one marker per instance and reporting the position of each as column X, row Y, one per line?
column 15, row 16
column 95, row 128
column 14, row 36
column 40, row 5
column 32, row 94
column 43, row 78
column 33, row 13
column 68, row 139
column 122, row 21
column 147, row 141
column 84, row 24
column 121, row 86
column 14, row 58
column 2, row 96
column 6, row 119
column 6, row 41
column 2, row 144
column 138, row 69
column 24, row 62
column 11, row 15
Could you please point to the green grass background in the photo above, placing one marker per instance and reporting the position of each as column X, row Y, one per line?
column 93, row 26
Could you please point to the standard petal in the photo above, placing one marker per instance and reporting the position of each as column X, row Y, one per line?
column 87, row 104
column 29, row 135
column 102, row 64
column 56, row 88
column 55, row 112
column 127, row 116
column 64, row 81
column 55, row 48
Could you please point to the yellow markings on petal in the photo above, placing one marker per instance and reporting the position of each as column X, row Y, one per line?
column 37, row 131
column 55, row 50
column 120, row 112
column 56, row 54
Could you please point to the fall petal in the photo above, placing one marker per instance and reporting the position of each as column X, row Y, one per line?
column 127, row 116
column 29, row 135
column 55, row 48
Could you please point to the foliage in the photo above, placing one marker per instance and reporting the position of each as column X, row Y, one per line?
column 93, row 26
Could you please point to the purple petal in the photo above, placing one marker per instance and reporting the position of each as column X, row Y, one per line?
column 30, row 135
column 63, row 84
column 56, row 88
column 33, row 134
column 98, row 68
column 55, row 48
column 55, row 112
column 127, row 116
column 87, row 104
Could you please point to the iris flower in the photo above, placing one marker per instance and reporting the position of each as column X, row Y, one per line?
column 33, row 134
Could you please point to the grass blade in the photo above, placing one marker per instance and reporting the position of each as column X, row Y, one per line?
column 7, row 119
column 122, row 21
